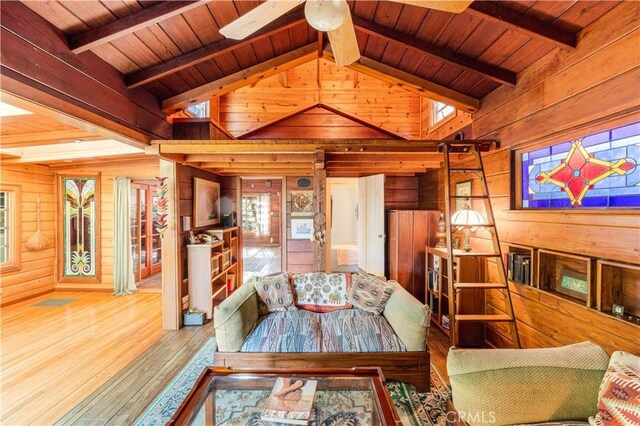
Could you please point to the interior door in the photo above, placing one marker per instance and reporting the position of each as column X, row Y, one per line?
column 371, row 253
column 145, row 240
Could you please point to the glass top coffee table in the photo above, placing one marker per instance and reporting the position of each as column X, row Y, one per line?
column 237, row 397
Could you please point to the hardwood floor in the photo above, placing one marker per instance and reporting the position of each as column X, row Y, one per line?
column 152, row 282
column 54, row 356
column 100, row 359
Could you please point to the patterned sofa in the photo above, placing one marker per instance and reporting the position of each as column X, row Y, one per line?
column 344, row 336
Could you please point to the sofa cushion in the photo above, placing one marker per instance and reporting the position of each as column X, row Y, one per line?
column 355, row 330
column 526, row 385
column 369, row 293
column 285, row 331
column 322, row 292
column 274, row 292
column 619, row 395
column 408, row 317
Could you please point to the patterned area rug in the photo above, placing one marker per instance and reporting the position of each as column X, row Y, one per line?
column 414, row 408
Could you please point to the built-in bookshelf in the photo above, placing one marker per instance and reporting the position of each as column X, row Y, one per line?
column 213, row 270
column 567, row 275
column 470, row 301
column 618, row 290
column 520, row 262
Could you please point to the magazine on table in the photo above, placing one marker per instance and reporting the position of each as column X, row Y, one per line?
column 291, row 401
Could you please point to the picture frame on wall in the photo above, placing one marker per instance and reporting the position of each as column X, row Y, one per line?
column 206, row 203
column 301, row 203
column 573, row 284
column 463, row 189
column 301, row 229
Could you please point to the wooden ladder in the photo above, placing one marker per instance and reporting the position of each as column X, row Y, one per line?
column 456, row 287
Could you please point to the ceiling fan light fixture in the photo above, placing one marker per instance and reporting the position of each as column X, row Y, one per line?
column 326, row 15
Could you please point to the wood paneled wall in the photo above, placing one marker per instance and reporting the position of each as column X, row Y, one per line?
column 299, row 253
column 184, row 178
column 401, row 193
column 146, row 169
column 37, row 270
column 393, row 109
column 259, row 186
column 566, row 94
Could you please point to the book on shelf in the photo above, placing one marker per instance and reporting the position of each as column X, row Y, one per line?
column 291, row 401
column 519, row 268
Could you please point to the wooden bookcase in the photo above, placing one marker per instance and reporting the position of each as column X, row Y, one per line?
column 552, row 266
column 618, row 283
column 211, row 268
column 470, row 301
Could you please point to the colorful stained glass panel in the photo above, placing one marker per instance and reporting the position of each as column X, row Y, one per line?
column 599, row 170
column 79, row 215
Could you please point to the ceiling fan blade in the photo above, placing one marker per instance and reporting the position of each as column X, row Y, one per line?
column 257, row 18
column 452, row 6
column 344, row 43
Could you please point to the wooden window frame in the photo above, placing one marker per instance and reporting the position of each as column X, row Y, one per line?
column 432, row 115
column 60, row 225
column 15, row 230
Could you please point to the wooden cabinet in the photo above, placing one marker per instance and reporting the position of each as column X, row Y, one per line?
column 410, row 231
column 214, row 271
column 470, row 301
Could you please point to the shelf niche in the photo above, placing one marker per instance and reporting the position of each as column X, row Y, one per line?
column 618, row 283
column 562, row 274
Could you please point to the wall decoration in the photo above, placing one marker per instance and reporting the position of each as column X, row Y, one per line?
column 463, row 189
column 573, row 283
column 206, row 202
column 163, row 206
column 599, row 170
column 301, row 203
column 79, row 220
column 302, row 229
column 304, row 183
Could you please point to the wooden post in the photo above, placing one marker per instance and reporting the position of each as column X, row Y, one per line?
column 171, row 305
column 319, row 194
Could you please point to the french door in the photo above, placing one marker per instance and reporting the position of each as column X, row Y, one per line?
column 145, row 240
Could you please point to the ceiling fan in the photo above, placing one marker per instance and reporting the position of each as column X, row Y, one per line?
column 331, row 16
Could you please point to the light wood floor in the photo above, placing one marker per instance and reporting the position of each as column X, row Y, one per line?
column 53, row 357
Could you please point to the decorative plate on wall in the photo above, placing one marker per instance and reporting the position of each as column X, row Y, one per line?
column 301, row 203
column 304, row 183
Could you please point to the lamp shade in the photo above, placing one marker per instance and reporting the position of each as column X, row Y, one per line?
column 326, row 15
column 466, row 217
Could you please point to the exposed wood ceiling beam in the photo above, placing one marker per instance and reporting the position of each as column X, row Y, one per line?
column 298, row 171
column 549, row 33
column 46, row 138
column 261, row 166
column 241, row 78
column 211, row 51
column 250, row 158
column 498, row 74
column 412, row 83
column 335, row 158
column 295, row 112
column 81, row 42
column 310, row 146
column 332, row 109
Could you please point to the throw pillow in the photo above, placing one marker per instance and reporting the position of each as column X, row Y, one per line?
column 274, row 291
column 619, row 398
column 321, row 291
column 370, row 293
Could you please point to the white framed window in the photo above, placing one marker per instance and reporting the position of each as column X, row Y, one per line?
column 10, row 235
column 440, row 112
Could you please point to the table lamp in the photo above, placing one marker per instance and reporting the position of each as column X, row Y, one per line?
column 466, row 218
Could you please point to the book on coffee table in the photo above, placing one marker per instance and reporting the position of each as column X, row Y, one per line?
column 291, row 401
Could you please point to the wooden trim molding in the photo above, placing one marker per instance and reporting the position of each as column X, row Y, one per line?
column 15, row 234
column 60, row 228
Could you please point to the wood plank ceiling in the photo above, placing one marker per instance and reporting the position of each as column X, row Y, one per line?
column 472, row 53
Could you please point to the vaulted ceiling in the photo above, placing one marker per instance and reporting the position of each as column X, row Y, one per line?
column 175, row 51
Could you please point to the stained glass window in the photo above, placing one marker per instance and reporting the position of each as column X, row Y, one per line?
column 599, row 170
column 79, row 219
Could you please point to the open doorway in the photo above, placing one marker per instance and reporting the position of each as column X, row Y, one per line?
column 145, row 239
column 261, row 227
column 356, row 224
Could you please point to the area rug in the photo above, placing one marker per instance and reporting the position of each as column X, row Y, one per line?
column 54, row 302
column 414, row 408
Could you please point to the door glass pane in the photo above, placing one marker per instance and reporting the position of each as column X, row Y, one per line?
column 79, row 226
column 156, row 256
column 143, row 252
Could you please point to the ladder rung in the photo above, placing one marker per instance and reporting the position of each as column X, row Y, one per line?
column 484, row 318
column 463, row 170
column 472, row 254
column 479, row 285
column 471, row 197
